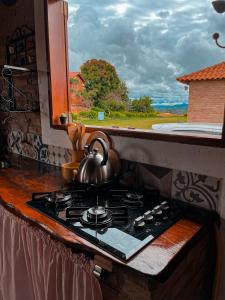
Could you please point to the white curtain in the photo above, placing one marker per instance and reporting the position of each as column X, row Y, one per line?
column 33, row 266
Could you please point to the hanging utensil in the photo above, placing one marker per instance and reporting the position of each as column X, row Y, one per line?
column 78, row 136
column 99, row 134
column 72, row 133
column 82, row 133
column 76, row 133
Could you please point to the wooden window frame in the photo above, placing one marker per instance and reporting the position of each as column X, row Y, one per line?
column 56, row 14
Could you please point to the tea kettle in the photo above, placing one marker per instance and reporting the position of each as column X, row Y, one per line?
column 95, row 168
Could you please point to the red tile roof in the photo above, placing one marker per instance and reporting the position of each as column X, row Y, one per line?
column 210, row 73
column 75, row 74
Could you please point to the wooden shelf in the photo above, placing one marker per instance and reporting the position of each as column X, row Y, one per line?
column 17, row 70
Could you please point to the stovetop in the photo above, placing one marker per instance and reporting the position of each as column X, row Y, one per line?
column 118, row 220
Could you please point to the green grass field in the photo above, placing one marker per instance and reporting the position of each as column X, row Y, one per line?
column 142, row 123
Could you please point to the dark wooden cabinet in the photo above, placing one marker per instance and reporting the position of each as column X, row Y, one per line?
column 192, row 279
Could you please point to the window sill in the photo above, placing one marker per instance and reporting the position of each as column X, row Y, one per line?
column 174, row 137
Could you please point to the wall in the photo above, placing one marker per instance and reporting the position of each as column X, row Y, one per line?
column 206, row 101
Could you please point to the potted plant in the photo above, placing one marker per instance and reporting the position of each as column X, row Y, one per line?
column 63, row 118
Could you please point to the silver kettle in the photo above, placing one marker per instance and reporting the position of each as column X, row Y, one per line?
column 95, row 168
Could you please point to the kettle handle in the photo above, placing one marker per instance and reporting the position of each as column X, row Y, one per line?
column 104, row 147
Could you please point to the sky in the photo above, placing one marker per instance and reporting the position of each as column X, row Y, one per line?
column 150, row 43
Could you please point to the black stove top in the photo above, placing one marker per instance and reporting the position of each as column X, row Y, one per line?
column 119, row 221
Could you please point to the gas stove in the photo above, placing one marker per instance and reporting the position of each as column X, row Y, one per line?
column 118, row 220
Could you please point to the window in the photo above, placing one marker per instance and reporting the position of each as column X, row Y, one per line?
column 130, row 68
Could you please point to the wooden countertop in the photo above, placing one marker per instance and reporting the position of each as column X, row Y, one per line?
column 27, row 176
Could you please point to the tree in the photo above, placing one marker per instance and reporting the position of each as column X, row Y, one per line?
column 102, row 83
column 144, row 104
column 120, row 94
column 115, row 105
column 73, row 81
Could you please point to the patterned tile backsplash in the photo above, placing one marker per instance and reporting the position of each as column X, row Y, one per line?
column 189, row 187
column 196, row 189
column 31, row 145
column 193, row 188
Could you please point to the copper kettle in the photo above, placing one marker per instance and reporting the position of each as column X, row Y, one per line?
column 95, row 168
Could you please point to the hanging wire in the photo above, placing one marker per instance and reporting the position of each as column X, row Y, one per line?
column 6, row 101
column 9, row 73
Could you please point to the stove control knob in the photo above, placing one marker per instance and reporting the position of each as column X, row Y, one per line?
column 49, row 199
column 158, row 214
column 139, row 222
column 148, row 217
column 156, row 208
column 147, row 214
column 165, row 206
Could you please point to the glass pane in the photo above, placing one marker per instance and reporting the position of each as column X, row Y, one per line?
column 129, row 61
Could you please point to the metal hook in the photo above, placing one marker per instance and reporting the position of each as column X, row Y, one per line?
column 8, row 72
column 216, row 37
column 9, row 116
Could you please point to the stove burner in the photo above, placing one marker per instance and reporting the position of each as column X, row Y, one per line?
column 97, row 213
column 133, row 198
column 96, row 216
column 59, row 199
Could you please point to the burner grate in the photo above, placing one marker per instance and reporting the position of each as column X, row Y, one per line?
column 113, row 214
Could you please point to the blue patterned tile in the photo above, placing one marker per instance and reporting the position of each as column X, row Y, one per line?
column 196, row 189
column 43, row 154
column 15, row 142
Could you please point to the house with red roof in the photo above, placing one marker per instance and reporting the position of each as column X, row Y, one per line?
column 206, row 94
column 76, row 87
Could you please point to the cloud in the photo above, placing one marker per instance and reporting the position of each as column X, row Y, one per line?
column 149, row 42
column 120, row 8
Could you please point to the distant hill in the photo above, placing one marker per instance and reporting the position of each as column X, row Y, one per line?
column 174, row 108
